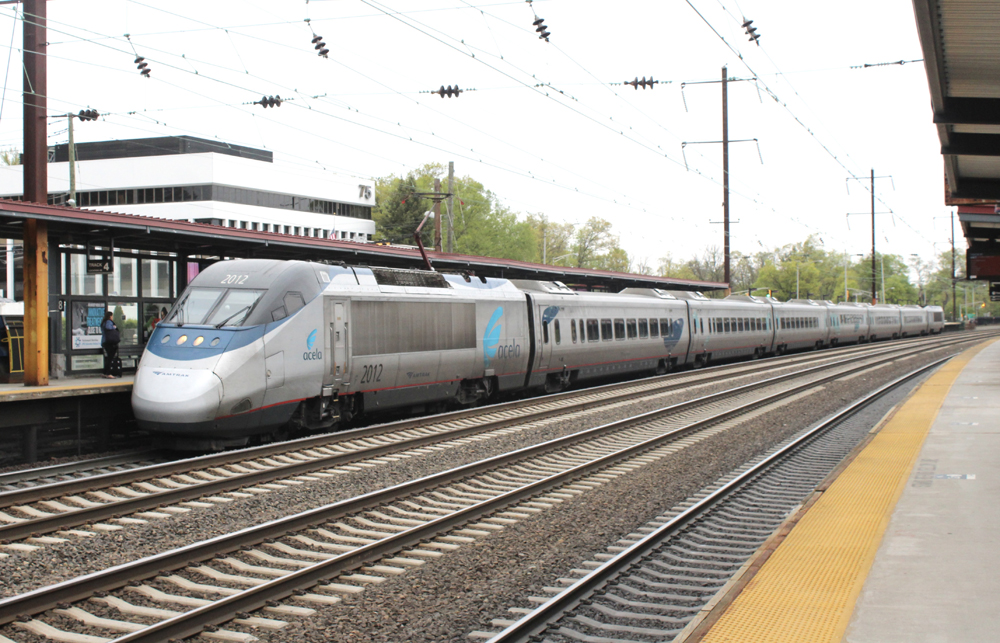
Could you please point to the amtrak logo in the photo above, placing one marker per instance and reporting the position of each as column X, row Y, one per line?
column 311, row 340
column 491, row 338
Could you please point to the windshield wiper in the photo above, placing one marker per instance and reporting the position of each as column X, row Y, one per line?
column 223, row 322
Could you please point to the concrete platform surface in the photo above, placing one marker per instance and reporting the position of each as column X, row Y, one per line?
column 94, row 385
column 936, row 577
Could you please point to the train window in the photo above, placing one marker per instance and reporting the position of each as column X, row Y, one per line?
column 666, row 328
column 293, row 302
column 630, row 328
column 556, row 329
column 643, row 329
column 545, row 332
column 606, row 330
column 747, row 323
column 654, row 328
column 593, row 332
column 278, row 313
column 572, row 329
column 782, row 323
column 739, row 325
column 619, row 329
column 726, row 325
column 701, row 322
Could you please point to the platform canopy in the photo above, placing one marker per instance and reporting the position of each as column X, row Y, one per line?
column 79, row 227
column 961, row 45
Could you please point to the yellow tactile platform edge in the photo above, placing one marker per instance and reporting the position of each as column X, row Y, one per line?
column 806, row 591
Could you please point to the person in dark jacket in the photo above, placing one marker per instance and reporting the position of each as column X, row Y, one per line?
column 109, row 342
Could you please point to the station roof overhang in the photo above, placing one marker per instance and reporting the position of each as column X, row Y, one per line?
column 961, row 46
column 92, row 228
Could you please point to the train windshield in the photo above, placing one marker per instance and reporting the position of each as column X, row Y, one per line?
column 215, row 306
column 234, row 308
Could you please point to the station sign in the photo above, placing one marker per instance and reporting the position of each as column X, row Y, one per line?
column 995, row 291
column 102, row 266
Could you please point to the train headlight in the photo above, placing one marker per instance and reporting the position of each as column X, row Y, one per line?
column 166, row 338
column 182, row 339
column 198, row 341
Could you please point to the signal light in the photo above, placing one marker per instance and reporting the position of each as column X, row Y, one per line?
column 543, row 31
column 751, row 31
column 449, row 92
column 320, row 46
column 142, row 66
column 636, row 84
column 88, row 115
column 269, row 101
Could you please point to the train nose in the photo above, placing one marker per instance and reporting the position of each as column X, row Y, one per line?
column 174, row 399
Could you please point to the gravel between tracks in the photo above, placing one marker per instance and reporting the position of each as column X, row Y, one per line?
column 486, row 571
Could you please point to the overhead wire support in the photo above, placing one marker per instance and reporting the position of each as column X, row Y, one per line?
column 539, row 23
column 636, row 83
column 751, row 31
column 448, row 91
column 317, row 41
column 140, row 61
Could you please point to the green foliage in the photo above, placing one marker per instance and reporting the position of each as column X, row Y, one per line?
column 483, row 226
column 10, row 156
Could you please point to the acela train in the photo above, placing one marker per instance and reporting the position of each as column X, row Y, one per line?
column 253, row 348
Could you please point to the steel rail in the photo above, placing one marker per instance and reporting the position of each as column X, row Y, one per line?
column 82, row 587
column 26, row 475
column 536, row 621
column 150, row 500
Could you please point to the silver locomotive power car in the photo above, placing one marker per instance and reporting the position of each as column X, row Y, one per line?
column 255, row 348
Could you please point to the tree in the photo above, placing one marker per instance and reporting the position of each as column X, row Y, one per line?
column 709, row 266
column 398, row 212
column 10, row 156
column 592, row 238
column 553, row 239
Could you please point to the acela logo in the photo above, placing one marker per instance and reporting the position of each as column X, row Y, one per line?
column 310, row 354
column 491, row 338
column 491, row 341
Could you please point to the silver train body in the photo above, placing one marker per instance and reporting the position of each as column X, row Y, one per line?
column 254, row 347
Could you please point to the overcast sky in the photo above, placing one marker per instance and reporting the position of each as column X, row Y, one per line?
column 545, row 129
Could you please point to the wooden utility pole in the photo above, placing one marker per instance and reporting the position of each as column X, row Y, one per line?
column 725, row 178
column 874, row 297
column 437, row 215
column 36, row 238
column 451, row 206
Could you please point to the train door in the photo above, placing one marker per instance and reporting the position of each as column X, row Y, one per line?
column 337, row 342
column 545, row 316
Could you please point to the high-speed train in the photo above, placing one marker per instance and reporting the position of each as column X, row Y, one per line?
column 253, row 348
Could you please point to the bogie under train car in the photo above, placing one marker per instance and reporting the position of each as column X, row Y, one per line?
column 254, row 349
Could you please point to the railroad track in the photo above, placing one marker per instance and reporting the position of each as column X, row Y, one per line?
column 315, row 557
column 112, row 501
column 38, row 476
column 654, row 584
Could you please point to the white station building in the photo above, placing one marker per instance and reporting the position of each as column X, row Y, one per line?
column 203, row 181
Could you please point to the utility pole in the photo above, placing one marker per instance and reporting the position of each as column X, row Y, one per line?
column 727, row 272
column 36, row 238
column 71, row 153
column 451, row 206
column 874, row 299
column 725, row 177
column 437, row 215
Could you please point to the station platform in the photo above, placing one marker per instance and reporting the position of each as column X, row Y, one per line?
column 95, row 385
column 901, row 546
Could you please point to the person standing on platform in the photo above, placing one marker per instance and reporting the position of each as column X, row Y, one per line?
column 109, row 342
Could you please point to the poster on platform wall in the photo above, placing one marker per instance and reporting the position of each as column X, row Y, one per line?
column 85, row 331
